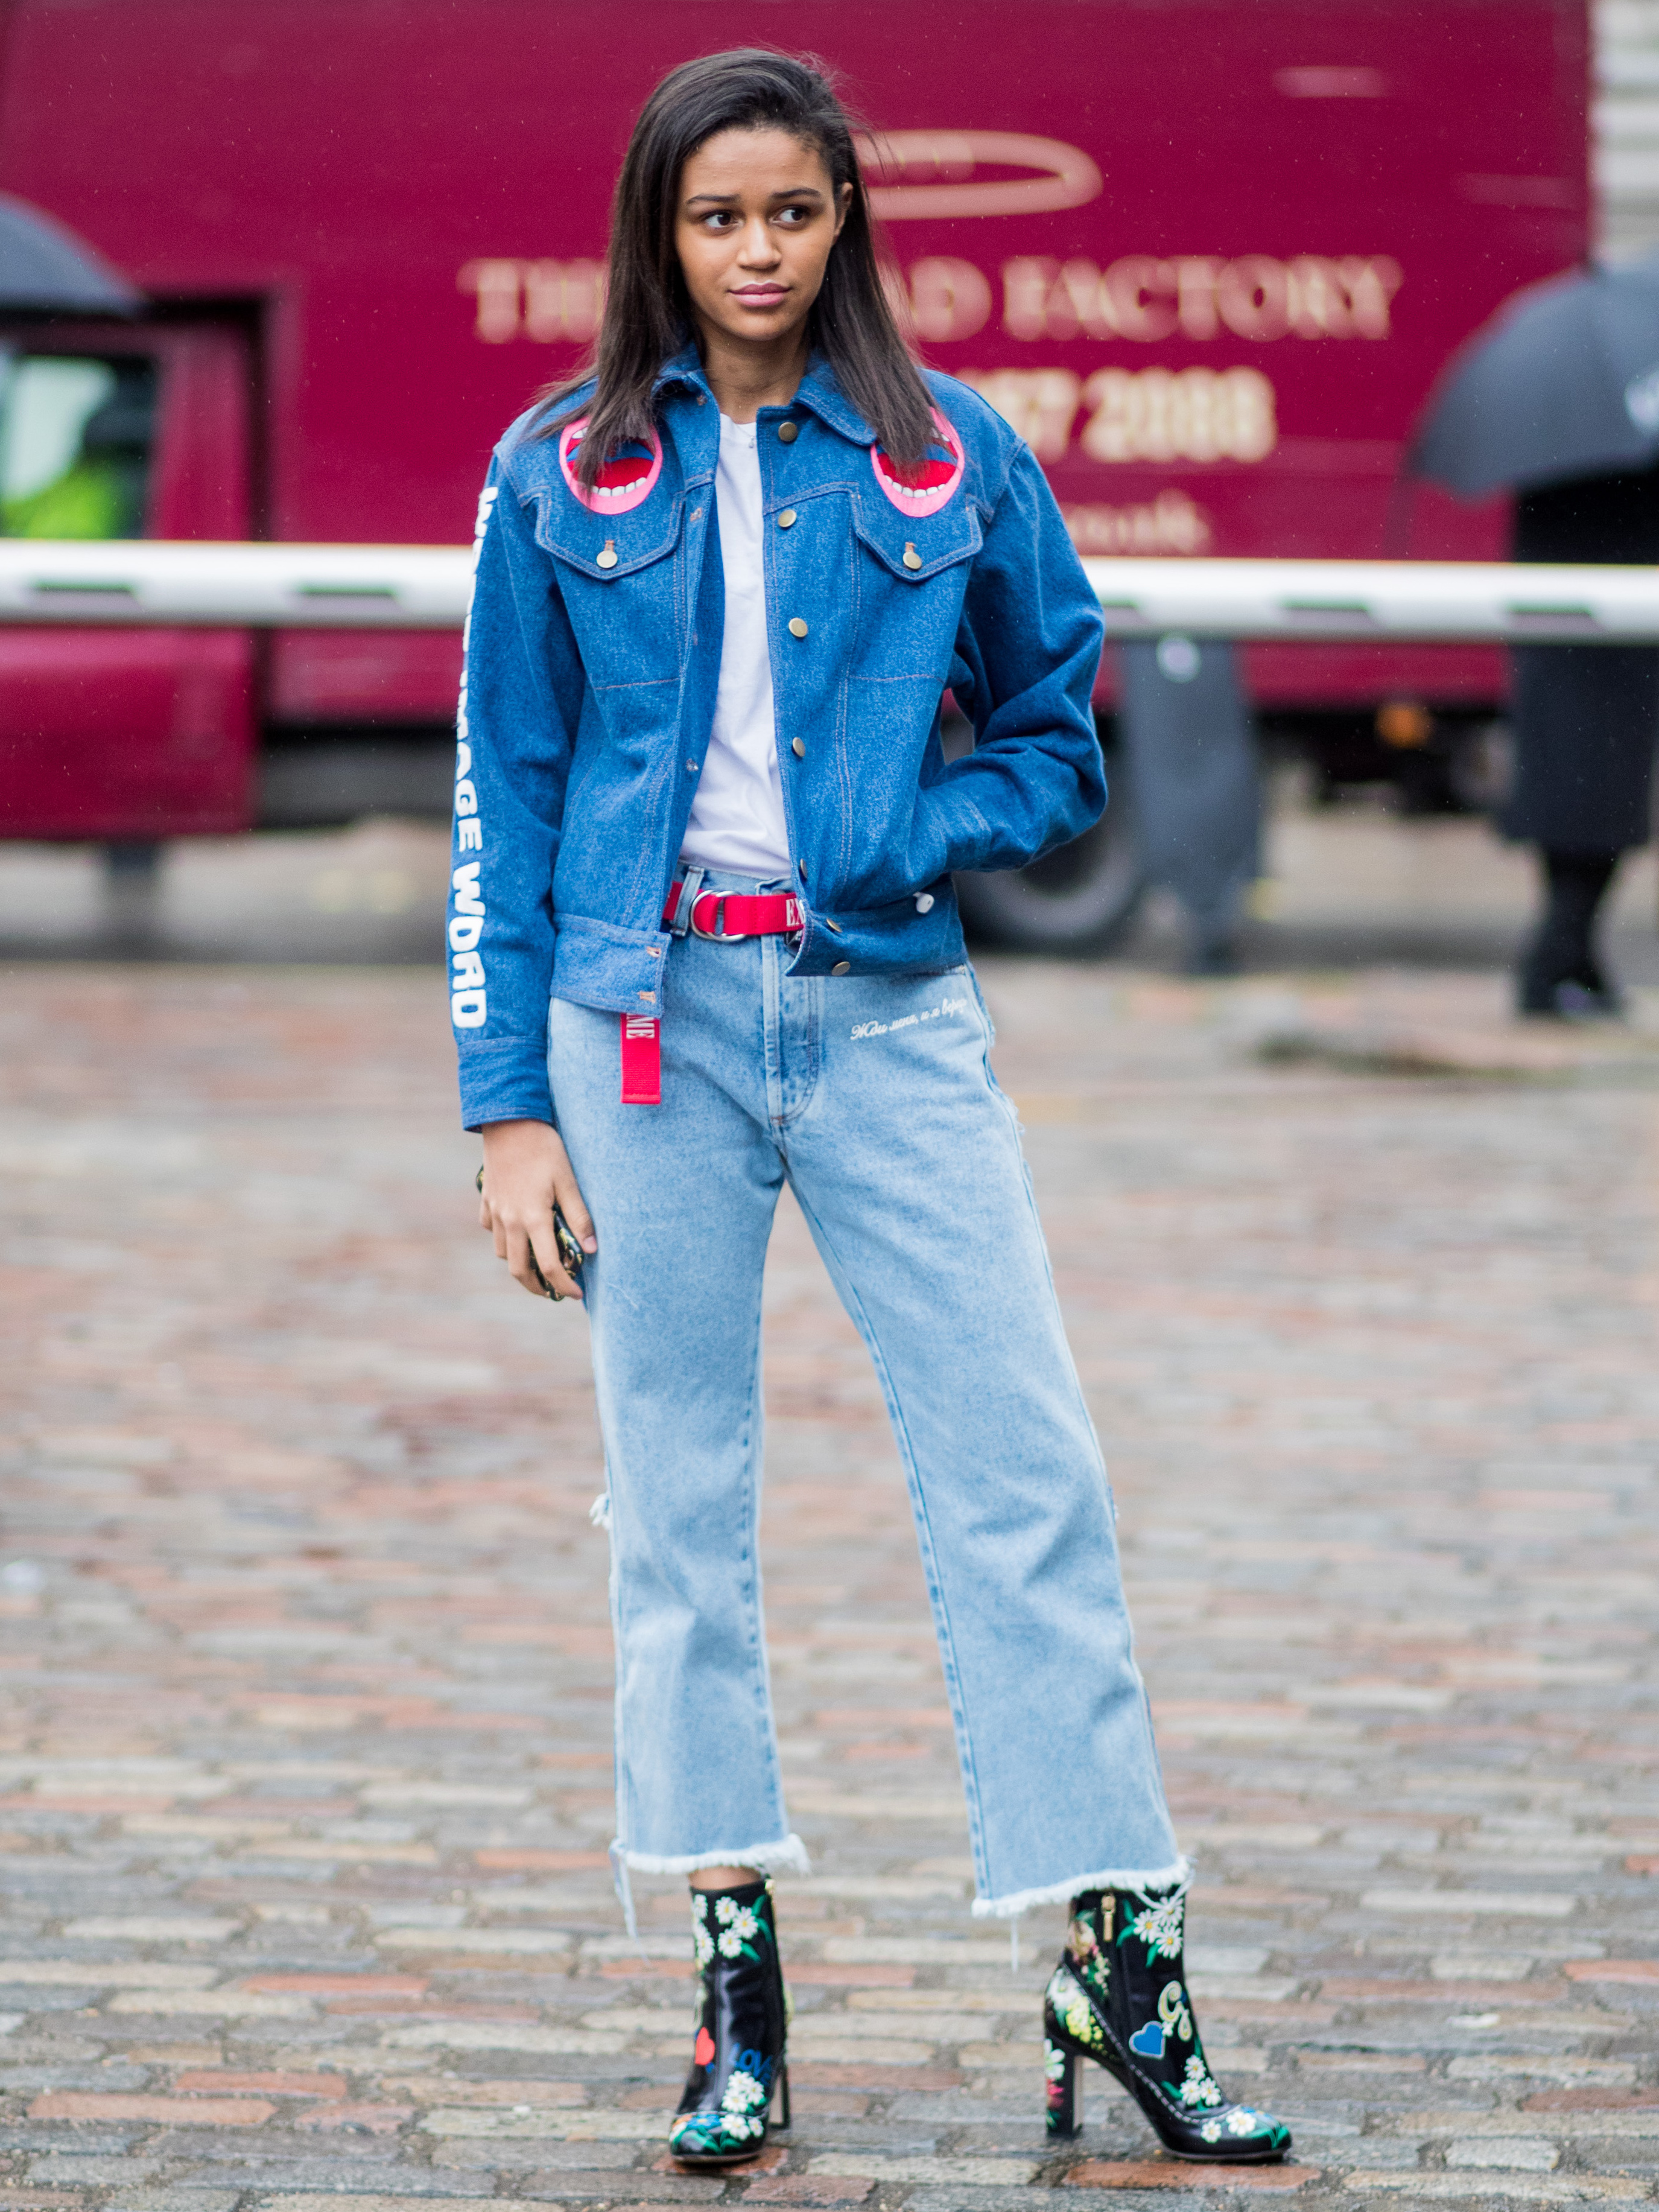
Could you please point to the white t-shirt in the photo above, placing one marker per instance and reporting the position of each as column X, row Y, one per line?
column 737, row 817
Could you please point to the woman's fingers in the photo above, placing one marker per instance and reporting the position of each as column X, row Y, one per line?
column 556, row 1277
column 577, row 1218
column 519, row 1246
column 527, row 1245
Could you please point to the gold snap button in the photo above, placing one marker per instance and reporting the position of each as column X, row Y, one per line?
column 787, row 433
column 842, row 968
column 786, row 520
column 798, row 748
column 911, row 558
column 797, row 626
column 607, row 559
column 836, row 926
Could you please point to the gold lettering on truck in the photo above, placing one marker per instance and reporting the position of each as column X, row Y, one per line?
column 547, row 301
column 1146, row 298
column 1181, row 415
column 1199, row 415
column 949, row 298
column 1037, row 403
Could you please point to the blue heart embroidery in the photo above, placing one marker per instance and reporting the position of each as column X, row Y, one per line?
column 1148, row 2040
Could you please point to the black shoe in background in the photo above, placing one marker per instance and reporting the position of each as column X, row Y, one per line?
column 1560, row 978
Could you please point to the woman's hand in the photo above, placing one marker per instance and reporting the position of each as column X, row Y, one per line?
column 526, row 1169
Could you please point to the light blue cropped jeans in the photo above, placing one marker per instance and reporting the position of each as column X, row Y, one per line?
column 873, row 1098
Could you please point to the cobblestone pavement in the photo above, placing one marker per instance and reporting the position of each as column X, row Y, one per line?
column 304, row 1743
column 1347, row 885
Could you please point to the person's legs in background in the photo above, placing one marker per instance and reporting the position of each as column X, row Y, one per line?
column 1194, row 779
column 1584, row 719
column 1560, row 974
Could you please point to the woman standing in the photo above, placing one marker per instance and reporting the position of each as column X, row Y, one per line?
column 705, row 942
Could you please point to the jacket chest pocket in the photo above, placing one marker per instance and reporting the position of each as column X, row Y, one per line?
column 912, row 573
column 624, row 587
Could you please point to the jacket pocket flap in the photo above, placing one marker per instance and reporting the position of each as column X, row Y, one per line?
column 605, row 547
column 914, row 547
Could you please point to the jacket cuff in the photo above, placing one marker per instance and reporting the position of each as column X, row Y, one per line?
column 504, row 1079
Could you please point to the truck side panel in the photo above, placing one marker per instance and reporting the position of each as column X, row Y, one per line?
column 1244, row 241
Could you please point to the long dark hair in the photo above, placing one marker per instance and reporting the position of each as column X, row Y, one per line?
column 648, row 313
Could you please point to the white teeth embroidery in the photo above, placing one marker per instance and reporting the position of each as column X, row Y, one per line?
column 861, row 1029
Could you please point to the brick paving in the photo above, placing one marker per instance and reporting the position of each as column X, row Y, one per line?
column 304, row 1764
column 1347, row 884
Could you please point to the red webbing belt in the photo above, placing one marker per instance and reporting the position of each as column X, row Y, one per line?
column 719, row 916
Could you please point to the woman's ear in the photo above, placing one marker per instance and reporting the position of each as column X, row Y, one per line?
column 843, row 202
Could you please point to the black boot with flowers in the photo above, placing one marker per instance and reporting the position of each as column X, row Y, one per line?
column 737, row 2059
column 1118, row 1996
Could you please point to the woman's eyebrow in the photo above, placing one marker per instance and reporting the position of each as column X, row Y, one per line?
column 729, row 199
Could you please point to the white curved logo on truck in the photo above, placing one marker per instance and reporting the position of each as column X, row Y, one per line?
column 914, row 174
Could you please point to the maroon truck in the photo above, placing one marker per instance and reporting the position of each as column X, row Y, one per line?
column 1209, row 259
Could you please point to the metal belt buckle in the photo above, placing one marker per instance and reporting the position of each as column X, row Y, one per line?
column 719, row 934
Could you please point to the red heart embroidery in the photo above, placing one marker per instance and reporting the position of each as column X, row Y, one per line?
column 702, row 2051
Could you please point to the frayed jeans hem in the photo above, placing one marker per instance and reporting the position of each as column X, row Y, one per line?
column 786, row 1856
column 1178, row 1873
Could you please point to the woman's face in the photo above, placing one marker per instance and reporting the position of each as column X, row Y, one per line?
column 757, row 217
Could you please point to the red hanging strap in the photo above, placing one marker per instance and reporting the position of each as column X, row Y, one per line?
column 642, row 1060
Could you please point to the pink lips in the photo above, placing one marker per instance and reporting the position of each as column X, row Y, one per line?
column 760, row 296
column 623, row 482
column 927, row 488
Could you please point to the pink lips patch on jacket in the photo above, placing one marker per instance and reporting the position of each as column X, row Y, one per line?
column 928, row 486
column 625, row 478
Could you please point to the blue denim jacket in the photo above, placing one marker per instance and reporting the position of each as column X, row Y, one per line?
column 593, row 655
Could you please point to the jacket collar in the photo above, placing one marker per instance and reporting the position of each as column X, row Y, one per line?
column 818, row 391
column 682, row 371
column 823, row 396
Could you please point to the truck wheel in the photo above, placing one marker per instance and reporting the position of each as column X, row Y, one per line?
column 132, row 890
column 1078, row 899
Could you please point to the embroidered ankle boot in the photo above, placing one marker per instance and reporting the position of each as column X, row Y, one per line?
column 1118, row 1996
column 737, row 2059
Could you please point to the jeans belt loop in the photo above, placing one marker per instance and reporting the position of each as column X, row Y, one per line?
column 689, row 885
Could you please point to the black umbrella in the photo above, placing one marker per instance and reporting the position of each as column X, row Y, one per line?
column 45, row 268
column 1564, row 382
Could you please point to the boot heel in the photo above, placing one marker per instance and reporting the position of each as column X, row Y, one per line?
column 1065, row 2071
column 782, row 2120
